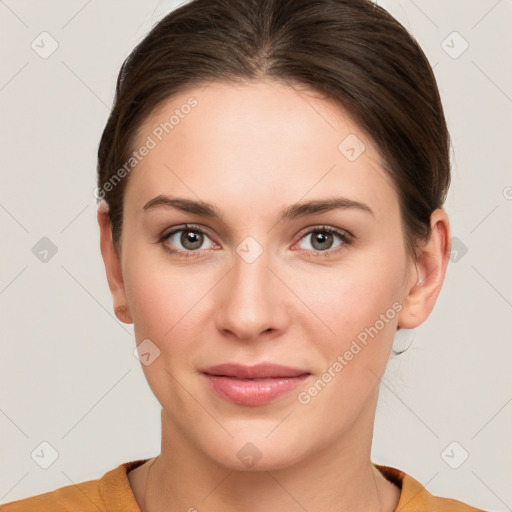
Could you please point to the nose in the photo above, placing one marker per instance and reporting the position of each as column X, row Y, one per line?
column 252, row 301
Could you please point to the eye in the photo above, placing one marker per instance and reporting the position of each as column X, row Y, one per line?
column 190, row 238
column 322, row 239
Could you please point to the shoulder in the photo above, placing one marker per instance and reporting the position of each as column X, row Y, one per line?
column 112, row 488
column 414, row 497
column 82, row 496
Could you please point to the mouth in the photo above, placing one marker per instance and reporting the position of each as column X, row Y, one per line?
column 259, row 371
column 253, row 385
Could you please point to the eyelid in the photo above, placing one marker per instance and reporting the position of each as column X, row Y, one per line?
column 324, row 227
column 186, row 225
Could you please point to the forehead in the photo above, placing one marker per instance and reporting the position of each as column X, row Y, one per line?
column 258, row 140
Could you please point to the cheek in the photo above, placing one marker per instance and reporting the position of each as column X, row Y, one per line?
column 353, row 297
column 167, row 306
column 165, row 298
column 361, row 306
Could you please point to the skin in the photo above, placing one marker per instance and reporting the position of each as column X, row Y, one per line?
column 251, row 150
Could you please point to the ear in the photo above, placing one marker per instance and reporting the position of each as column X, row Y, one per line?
column 113, row 267
column 430, row 261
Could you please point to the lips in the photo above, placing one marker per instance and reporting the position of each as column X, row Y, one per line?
column 253, row 385
column 260, row 371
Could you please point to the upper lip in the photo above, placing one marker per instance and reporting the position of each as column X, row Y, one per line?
column 258, row 371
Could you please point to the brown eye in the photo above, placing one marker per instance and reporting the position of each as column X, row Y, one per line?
column 186, row 239
column 323, row 240
column 191, row 239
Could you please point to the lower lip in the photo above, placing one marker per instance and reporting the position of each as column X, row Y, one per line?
column 253, row 391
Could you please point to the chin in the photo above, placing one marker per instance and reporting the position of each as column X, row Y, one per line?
column 259, row 452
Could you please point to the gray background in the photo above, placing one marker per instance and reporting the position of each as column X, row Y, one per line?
column 68, row 374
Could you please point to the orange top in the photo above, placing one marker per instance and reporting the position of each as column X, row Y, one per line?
column 112, row 493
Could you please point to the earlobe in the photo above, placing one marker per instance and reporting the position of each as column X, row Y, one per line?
column 431, row 262
column 113, row 267
column 123, row 314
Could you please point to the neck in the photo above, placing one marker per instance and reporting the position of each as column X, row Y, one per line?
column 338, row 477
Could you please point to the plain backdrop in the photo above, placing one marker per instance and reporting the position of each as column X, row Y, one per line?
column 69, row 377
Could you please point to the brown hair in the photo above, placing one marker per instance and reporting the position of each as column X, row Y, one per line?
column 352, row 51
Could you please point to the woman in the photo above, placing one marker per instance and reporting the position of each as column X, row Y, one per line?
column 271, row 182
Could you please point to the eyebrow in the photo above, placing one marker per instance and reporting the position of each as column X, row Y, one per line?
column 291, row 212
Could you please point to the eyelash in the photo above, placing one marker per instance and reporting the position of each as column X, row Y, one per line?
column 345, row 236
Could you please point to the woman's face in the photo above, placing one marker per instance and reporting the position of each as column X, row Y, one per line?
column 253, row 286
